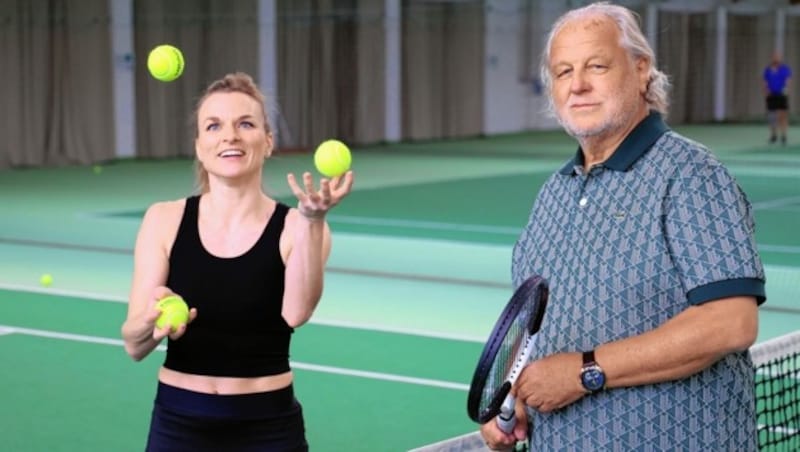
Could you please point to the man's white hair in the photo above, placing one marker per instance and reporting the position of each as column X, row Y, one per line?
column 631, row 39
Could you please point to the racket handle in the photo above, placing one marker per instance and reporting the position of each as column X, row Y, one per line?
column 506, row 421
column 507, row 418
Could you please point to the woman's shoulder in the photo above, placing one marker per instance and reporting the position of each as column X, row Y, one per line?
column 163, row 211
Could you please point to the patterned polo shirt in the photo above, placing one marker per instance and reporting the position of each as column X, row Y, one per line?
column 658, row 227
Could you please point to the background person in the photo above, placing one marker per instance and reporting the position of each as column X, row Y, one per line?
column 776, row 90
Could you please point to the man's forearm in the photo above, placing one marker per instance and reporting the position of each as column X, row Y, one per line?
column 688, row 343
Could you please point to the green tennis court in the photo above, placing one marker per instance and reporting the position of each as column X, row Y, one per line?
column 419, row 271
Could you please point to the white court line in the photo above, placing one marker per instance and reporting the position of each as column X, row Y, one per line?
column 68, row 336
column 787, row 249
column 63, row 293
column 395, row 330
column 777, row 203
column 437, row 225
column 381, row 376
column 333, row 323
column 7, row 329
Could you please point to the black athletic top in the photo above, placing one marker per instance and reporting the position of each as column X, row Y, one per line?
column 239, row 330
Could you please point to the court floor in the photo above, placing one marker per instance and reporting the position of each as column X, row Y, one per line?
column 419, row 271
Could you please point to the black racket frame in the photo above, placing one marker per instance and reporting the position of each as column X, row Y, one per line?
column 533, row 290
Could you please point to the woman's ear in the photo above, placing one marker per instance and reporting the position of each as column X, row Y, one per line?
column 197, row 150
column 270, row 146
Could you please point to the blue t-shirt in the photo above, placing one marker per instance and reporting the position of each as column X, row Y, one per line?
column 776, row 78
column 657, row 228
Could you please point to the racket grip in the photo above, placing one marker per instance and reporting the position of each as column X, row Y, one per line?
column 507, row 421
column 507, row 418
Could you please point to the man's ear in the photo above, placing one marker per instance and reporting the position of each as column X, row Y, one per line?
column 643, row 70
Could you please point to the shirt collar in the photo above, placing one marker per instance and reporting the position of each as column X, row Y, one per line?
column 635, row 145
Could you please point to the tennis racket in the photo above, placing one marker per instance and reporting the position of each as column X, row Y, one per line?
column 506, row 353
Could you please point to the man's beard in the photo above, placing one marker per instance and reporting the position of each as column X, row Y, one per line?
column 615, row 120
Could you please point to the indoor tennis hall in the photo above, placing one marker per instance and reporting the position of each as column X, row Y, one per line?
column 443, row 108
column 419, row 271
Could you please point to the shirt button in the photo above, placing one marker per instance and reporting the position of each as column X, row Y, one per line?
column 583, row 202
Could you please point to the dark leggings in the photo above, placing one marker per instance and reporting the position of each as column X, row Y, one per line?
column 192, row 421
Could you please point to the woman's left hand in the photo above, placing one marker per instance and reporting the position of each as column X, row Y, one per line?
column 314, row 204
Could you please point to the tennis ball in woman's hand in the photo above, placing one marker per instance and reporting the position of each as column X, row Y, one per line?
column 332, row 158
column 165, row 63
column 174, row 312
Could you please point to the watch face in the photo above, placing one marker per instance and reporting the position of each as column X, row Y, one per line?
column 593, row 379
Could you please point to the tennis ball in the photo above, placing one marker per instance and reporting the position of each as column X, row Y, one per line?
column 332, row 158
column 165, row 63
column 46, row 279
column 174, row 312
column 97, row 169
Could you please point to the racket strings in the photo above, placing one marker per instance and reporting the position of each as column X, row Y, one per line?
column 506, row 353
column 506, row 358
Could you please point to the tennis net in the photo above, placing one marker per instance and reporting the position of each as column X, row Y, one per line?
column 777, row 366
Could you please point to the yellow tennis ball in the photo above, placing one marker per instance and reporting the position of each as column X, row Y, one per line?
column 174, row 312
column 332, row 158
column 46, row 280
column 165, row 63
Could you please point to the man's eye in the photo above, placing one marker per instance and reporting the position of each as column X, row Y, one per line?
column 563, row 73
column 247, row 124
column 212, row 126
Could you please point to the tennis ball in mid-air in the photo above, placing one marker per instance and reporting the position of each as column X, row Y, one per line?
column 174, row 312
column 165, row 63
column 332, row 158
column 46, row 280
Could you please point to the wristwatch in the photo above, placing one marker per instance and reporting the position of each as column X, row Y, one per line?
column 593, row 378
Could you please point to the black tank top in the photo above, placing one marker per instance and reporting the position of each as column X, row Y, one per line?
column 239, row 330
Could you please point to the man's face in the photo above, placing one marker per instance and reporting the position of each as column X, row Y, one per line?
column 597, row 88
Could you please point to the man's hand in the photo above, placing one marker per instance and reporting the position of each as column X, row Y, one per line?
column 550, row 383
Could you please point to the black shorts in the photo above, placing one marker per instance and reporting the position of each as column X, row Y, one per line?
column 777, row 102
column 187, row 421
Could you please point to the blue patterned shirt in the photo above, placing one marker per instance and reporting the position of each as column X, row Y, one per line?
column 658, row 227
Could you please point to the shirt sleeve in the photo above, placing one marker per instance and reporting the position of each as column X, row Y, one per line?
column 711, row 234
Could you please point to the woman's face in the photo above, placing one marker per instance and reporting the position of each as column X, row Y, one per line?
column 232, row 138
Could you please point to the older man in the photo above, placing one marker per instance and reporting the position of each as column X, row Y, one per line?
column 647, row 242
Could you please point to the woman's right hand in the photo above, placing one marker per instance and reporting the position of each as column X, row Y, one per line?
column 153, row 313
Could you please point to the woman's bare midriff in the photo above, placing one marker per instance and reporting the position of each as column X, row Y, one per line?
column 224, row 385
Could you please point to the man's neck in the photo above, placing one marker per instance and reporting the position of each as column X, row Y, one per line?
column 597, row 149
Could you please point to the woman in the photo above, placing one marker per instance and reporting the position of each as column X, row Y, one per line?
column 250, row 269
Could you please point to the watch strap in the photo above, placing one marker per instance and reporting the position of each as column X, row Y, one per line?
column 590, row 366
column 588, row 358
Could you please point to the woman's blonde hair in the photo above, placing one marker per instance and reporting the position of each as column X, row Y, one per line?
column 237, row 82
